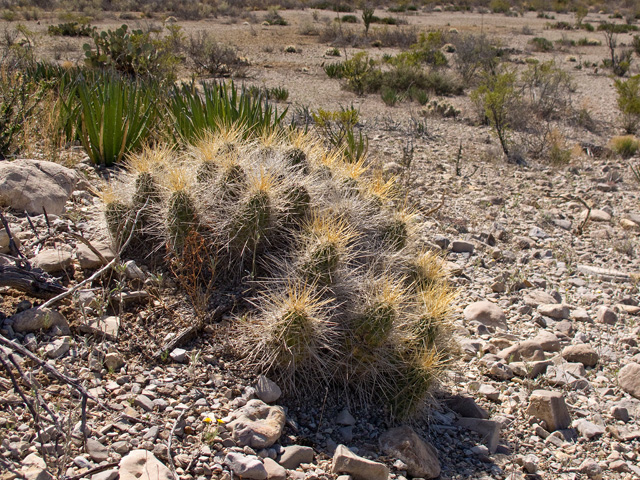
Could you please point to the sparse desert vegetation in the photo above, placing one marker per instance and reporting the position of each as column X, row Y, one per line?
column 237, row 238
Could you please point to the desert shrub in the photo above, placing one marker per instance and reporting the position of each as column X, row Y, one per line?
column 636, row 44
column 19, row 96
column 499, row 6
column 334, row 70
column 558, row 152
column 134, row 52
column 588, row 42
column 273, row 17
column 349, row 19
column 357, row 71
column 344, row 299
column 474, row 53
column 337, row 128
column 626, row 146
column 71, row 29
column 629, row 102
column 213, row 58
column 497, row 96
column 617, row 27
column 115, row 117
column 547, row 89
column 541, row 44
column 195, row 109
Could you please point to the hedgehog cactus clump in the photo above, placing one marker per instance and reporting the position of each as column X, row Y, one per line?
column 344, row 298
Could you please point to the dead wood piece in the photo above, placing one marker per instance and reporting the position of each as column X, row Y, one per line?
column 34, row 282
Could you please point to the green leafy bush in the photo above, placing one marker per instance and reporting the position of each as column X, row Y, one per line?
column 209, row 56
column 71, row 29
column 334, row 70
column 541, row 44
column 626, row 146
column 134, row 53
column 629, row 102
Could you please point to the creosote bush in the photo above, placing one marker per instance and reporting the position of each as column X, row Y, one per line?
column 344, row 297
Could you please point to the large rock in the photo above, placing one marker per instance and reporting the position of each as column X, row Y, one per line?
column 97, row 451
column 32, row 184
column 548, row 341
column 419, row 456
column 257, row 425
column 244, row 466
column 4, row 238
column 37, row 319
column 89, row 260
column 143, row 465
column 549, row 407
column 554, row 310
column 53, row 260
column 538, row 297
column 581, row 353
column 294, row 455
column 345, row 461
column 274, row 471
column 606, row 315
column 629, row 379
column 487, row 313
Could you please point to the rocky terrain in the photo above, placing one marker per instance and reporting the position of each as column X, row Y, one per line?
column 547, row 384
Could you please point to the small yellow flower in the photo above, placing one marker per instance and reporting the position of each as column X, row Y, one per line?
column 207, row 420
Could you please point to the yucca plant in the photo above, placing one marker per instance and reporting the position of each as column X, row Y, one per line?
column 196, row 110
column 116, row 116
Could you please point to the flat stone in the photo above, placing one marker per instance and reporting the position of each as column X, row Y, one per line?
column 620, row 413
column 597, row 215
column 294, row 455
column 550, row 408
column 530, row 369
column 487, row 313
column 345, row 418
column 53, row 260
column 274, row 471
column 33, row 184
column 89, row 260
column 606, row 315
column 106, row 475
column 4, row 238
column 143, row 465
column 178, row 355
column 345, row 461
column 588, row 429
column 490, row 392
column 466, row 407
column 267, row 390
column 591, row 469
column 144, row 403
column 548, row 341
column 581, row 315
column 109, row 327
column 489, row 430
column 535, row 298
column 37, row 319
column 554, row 310
column 629, row 379
column 526, row 350
column 35, row 468
column 113, row 361
column 58, row 348
column 246, row 466
column 582, row 353
column 460, row 246
column 406, row 445
column 257, row 424
column 97, row 451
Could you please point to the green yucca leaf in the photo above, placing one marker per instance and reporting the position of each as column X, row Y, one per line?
column 116, row 116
